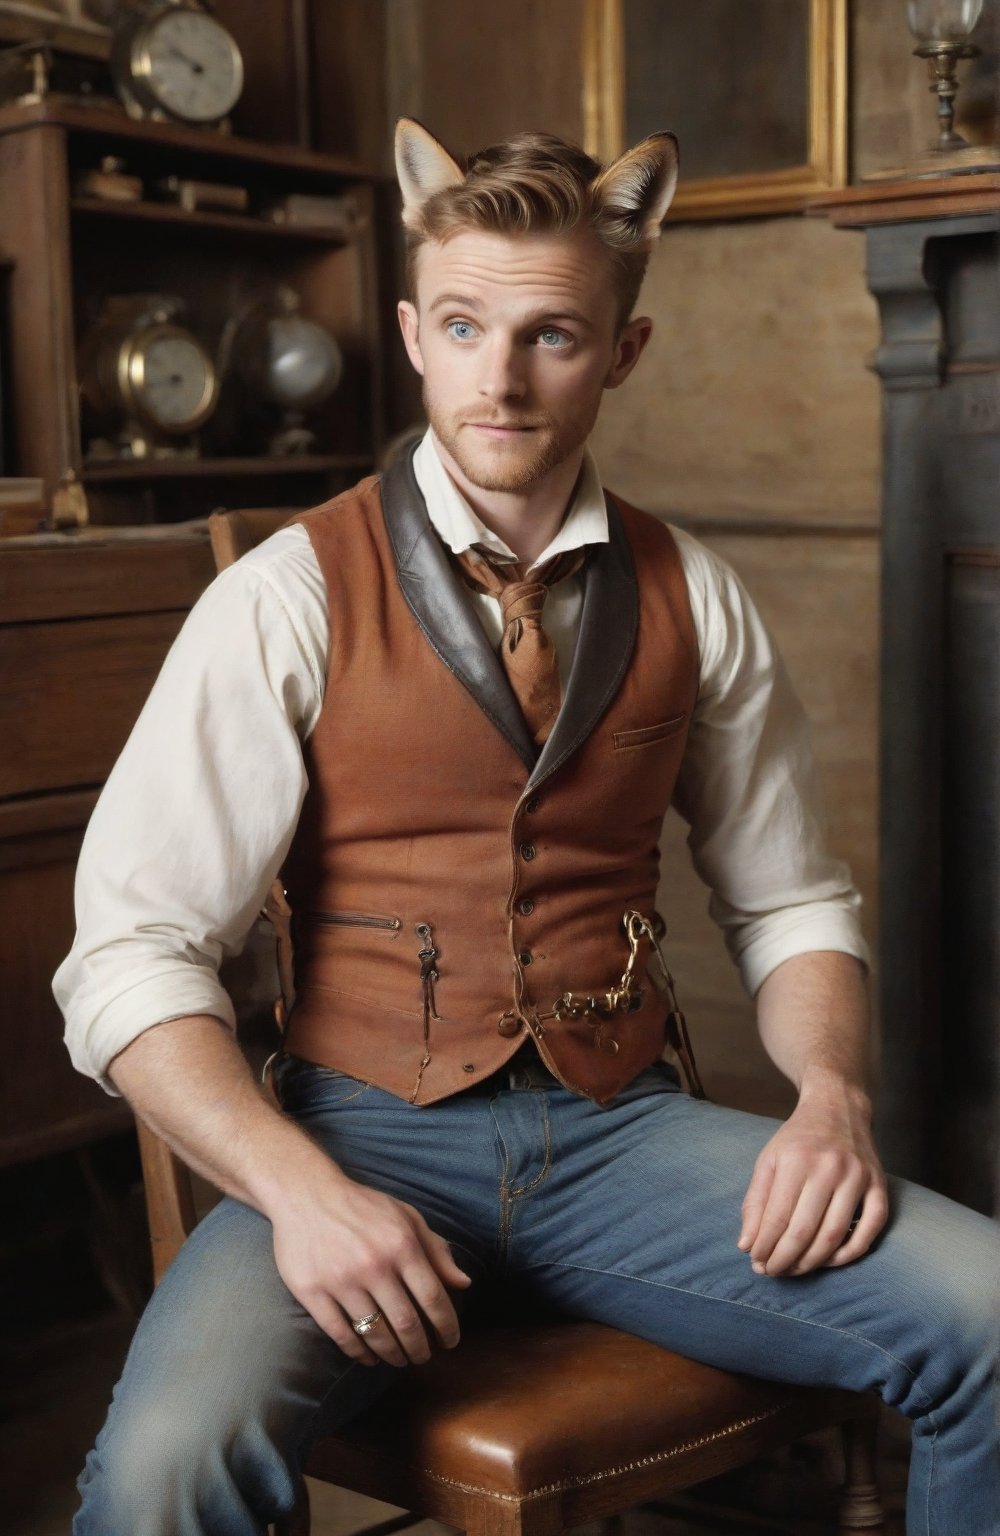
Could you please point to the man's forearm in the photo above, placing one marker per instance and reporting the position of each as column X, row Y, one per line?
column 188, row 1080
column 813, row 1017
column 817, row 1194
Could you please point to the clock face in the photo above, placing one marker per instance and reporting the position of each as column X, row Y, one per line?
column 172, row 380
column 189, row 64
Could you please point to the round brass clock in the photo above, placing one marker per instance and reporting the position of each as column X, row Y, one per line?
column 172, row 60
column 166, row 379
column 146, row 380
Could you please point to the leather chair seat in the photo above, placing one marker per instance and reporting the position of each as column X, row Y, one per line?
column 522, row 1414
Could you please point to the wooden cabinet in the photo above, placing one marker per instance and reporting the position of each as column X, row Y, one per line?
column 85, row 622
column 72, row 251
column 86, row 618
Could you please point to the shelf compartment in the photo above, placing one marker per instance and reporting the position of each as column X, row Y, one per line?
column 242, row 224
column 114, row 132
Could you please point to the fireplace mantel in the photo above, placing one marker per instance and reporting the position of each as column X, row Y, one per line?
column 933, row 267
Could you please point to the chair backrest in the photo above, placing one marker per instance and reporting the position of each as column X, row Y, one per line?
column 170, row 1204
column 234, row 533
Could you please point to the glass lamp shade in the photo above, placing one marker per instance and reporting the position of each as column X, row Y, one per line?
column 303, row 363
column 943, row 21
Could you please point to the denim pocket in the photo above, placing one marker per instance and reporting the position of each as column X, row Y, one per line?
column 302, row 1085
column 659, row 1077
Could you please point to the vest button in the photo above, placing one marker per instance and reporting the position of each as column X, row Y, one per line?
column 527, row 851
column 508, row 1026
column 532, row 805
column 525, row 956
column 526, row 906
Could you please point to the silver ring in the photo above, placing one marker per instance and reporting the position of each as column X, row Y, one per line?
column 367, row 1324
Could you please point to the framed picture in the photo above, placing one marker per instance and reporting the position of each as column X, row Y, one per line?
column 756, row 91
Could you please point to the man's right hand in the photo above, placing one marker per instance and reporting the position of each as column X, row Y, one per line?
column 343, row 1250
column 346, row 1251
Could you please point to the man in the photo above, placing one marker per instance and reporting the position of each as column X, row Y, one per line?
column 472, row 1079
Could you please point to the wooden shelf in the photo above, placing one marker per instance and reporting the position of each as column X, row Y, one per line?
column 205, row 218
column 101, row 473
column 70, row 252
column 111, row 122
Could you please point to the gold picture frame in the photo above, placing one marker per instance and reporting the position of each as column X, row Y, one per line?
column 773, row 191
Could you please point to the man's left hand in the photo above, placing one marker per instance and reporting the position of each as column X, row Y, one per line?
column 818, row 1193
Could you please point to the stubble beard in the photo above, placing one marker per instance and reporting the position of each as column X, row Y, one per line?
column 513, row 467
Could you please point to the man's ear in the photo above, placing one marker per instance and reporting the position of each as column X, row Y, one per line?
column 423, row 167
column 638, row 188
column 411, row 333
column 629, row 348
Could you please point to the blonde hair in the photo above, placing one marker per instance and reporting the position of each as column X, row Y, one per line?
column 535, row 183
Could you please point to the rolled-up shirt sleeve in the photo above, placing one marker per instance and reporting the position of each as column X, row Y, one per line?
column 749, row 791
column 196, row 817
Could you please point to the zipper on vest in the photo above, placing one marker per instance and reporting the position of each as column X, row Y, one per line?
column 355, row 920
column 427, row 955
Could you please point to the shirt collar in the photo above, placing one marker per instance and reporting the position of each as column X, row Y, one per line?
column 458, row 526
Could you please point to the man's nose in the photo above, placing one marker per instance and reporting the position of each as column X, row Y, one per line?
column 502, row 377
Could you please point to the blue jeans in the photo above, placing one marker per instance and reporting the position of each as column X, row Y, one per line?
column 628, row 1215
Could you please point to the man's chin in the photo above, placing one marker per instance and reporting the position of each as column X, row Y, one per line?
column 510, row 467
column 505, row 480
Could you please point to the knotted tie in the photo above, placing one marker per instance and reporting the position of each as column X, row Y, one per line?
column 528, row 655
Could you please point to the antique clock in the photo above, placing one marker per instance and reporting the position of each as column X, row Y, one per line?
column 173, row 61
column 147, row 382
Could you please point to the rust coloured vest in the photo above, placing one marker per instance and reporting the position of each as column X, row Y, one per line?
column 437, row 841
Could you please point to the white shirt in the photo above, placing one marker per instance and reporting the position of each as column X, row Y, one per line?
column 199, row 811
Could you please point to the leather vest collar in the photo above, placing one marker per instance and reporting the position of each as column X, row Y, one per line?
column 440, row 604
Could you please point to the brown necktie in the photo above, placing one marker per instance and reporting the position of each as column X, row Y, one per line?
column 528, row 655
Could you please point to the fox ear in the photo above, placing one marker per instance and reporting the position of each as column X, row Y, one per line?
column 423, row 167
column 637, row 189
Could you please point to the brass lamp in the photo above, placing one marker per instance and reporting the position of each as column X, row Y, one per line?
column 942, row 29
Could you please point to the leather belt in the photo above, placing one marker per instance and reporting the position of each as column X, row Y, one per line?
column 525, row 1069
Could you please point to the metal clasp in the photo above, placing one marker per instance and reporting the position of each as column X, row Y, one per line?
column 626, row 997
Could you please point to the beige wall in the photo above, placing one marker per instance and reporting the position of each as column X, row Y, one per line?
column 753, row 417
column 753, row 400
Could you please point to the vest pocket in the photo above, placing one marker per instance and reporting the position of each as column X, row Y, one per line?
column 354, row 920
column 647, row 734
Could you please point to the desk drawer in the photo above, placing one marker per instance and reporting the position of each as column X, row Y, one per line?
column 70, row 692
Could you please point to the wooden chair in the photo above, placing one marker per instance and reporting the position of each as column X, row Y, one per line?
column 235, row 533
column 530, row 1430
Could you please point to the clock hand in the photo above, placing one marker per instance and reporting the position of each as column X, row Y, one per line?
column 192, row 64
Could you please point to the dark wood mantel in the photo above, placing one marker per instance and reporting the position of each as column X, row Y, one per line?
column 897, row 202
column 933, row 266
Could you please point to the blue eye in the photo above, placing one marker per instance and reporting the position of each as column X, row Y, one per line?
column 550, row 337
column 461, row 330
